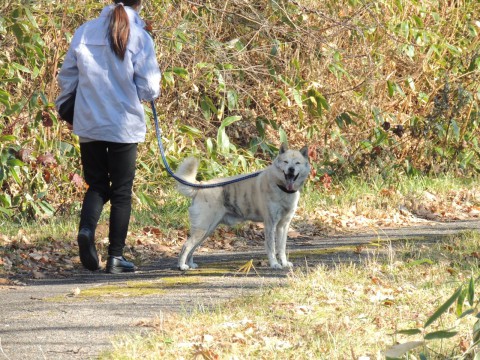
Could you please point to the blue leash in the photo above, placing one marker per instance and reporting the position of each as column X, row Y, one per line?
column 180, row 180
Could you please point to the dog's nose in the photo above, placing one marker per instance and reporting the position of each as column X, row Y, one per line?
column 291, row 170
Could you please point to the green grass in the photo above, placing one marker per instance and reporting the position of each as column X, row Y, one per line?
column 373, row 191
column 169, row 210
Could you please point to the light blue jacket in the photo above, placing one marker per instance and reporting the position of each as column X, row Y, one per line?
column 109, row 91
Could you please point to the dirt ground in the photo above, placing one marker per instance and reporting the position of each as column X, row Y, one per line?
column 78, row 316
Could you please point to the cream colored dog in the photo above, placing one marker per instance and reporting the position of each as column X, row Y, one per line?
column 271, row 198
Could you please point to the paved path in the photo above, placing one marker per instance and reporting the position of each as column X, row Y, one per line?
column 48, row 319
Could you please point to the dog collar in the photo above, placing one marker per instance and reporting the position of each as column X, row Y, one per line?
column 285, row 190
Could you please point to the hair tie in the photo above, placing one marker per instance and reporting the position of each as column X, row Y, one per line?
column 120, row 3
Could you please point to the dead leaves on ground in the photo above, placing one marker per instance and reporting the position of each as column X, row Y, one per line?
column 24, row 255
column 395, row 211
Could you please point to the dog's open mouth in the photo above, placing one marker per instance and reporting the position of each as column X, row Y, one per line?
column 290, row 180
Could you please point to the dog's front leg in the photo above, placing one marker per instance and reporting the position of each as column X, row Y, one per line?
column 282, row 231
column 270, row 245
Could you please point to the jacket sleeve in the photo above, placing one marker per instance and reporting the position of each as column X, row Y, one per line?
column 147, row 74
column 67, row 77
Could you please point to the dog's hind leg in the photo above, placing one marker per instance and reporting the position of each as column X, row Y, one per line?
column 185, row 259
column 196, row 238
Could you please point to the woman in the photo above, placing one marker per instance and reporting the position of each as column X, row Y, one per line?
column 111, row 64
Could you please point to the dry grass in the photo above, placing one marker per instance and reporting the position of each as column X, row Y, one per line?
column 345, row 312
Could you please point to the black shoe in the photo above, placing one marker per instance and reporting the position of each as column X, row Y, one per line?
column 88, row 253
column 118, row 265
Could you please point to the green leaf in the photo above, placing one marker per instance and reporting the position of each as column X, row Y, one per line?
column 209, row 145
column 391, row 88
column 229, row 121
column 20, row 67
column 316, row 102
column 4, row 97
column 344, row 119
column 419, row 262
column 283, row 135
column 471, row 291
column 6, row 200
column 168, row 78
column 409, row 332
column 456, row 129
column 460, row 301
column 15, row 176
column 190, row 130
column 5, row 211
column 209, row 103
column 232, row 100
column 223, row 141
column 274, row 50
column 297, row 97
column 466, row 313
column 221, row 80
column 282, row 95
column 47, row 208
column 7, row 138
column 367, row 145
column 18, row 32
column 442, row 334
column 15, row 162
column 181, row 72
column 476, row 331
column 146, row 200
column 442, row 309
column 418, row 21
column 31, row 18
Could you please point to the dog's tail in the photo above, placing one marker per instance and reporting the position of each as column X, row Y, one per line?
column 187, row 170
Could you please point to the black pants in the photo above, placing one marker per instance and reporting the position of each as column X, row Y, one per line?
column 109, row 170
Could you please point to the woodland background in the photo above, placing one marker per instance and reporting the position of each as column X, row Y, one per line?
column 376, row 88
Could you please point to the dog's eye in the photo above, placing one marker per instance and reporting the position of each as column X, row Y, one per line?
column 297, row 163
column 286, row 162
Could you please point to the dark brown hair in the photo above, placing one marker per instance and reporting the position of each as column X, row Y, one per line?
column 119, row 27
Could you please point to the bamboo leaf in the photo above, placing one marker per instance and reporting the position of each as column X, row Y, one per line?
column 223, row 141
column 5, row 211
column 442, row 334
column 476, row 331
column 409, row 331
column 283, row 135
column 460, row 301
column 229, row 121
column 442, row 309
column 466, row 312
column 471, row 291
column 186, row 129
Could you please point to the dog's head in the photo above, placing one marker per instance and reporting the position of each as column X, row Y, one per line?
column 292, row 167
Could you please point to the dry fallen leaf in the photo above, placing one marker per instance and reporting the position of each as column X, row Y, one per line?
column 38, row 274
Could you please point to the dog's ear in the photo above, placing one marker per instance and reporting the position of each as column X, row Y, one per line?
column 304, row 152
column 283, row 147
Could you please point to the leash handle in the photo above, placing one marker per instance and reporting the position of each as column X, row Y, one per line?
column 179, row 179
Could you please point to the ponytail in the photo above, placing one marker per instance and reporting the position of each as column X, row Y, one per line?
column 119, row 30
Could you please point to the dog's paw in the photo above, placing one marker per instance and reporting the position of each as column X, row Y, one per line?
column 275, row 266
column 287, row 264
column 193, row 265
column 183, row 267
